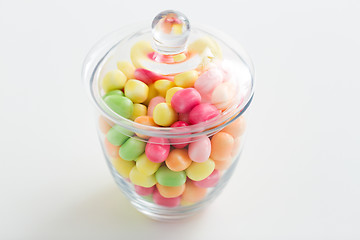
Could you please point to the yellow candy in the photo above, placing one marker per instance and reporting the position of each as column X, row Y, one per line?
column 162, row 86
column 127, row 68
column 164, row 114
column 139, row 51
column 152, row 93
column 122, row 166
column 136, row 90
column 199, row 171
column 179, row 57
column 138, row 178
column 145, row 166
column 186, row 79
column 170, row 93
column 113, row 80
column 201, row 44
column 139, row 110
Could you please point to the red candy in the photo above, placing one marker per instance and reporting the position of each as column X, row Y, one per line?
column 157, row 149
column 203, row 112
column 185, row 99
column 179, row 142
column 147, row 76
column 144, row 191
column 210, row 181
column 166, row 202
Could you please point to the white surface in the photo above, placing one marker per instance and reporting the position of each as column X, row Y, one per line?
column 299, row 175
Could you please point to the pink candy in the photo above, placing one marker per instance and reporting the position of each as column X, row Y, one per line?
column 186, row 99
column 157, row 149
column 166, row 202
column 199, row 150
column 202, row 113
column 210, row 181
column 143, row 191
column 179, row 142
column 147, row 76
column 207, row 81
column 184, row 117
column 152, row 104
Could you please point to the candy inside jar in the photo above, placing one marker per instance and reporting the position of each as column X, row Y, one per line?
column 171, row 102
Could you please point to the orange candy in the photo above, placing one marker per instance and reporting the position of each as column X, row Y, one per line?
column 236, row 128
column 170, row 192
column 223, row 165
column 178, row 160
column 111, row 149
column 236, row 148
column 221, row 146
column 104, row 125
column 192, row 193
column 145, row 120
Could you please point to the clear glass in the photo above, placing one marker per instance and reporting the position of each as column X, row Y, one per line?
column 103, row 58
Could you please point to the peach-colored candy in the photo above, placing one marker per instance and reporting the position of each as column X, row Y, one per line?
column 104, row 126
column 170, row 192
column 207, row 81
column 178, row 160
column 223, row 95
column 145, row 120
column 221, row 146
column 236, row 148
column 222, row 165
column 236, row 128
column 153, row 102
column 111, row 149
column 193, row 193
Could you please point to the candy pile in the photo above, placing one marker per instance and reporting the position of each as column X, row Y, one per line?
column 173, row 171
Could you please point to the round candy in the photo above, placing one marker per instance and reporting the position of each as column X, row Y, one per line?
column 114, row 92
column 184, row 117
column 145, row 166
column 127, row 68
column 163, row 85
column 186, row 79
column 166, row 177
column 112, row 150
column 147, row 76
column 153, row 102
column 166, row 202
column 236, row 128
column 170, row 93
column 223, row 95
column 139, row 110
column 200, row 149
column 179, row 142
column 152, row 93
column 118, row 135
column 236, row 148
column 157, row 149
column 104, row 125
column 145, row 120
column 222, row 144
column 202, row 113
column 199, row 171
column 185, row 99
column 132, row 149
column 178, row 160
column 223, row 164
column 136, row 91
column 170, row 192
column 138, row 178
column 210, row 181
column 164, row 115
column 193, row 193
column 113, row 80
column 207, row 81
column 144, row 191
column 120, row 105
column 122, row 166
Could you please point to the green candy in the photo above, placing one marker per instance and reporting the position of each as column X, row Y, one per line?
column 118, row 135
column 114, row 92
column 121, row 105
column 164, row 176
column 132, row 149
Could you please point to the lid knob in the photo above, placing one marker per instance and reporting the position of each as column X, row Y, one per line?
column 170, row 30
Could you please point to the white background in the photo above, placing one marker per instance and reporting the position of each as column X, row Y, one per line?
column 299, row 175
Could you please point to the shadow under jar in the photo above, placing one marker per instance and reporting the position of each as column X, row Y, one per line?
column 171, row 103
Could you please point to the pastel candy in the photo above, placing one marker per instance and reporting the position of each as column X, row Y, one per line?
column 145, row 166
column 223, row 95
column 118, row 135
column 163, row 85
column 147, row 76
column 144, row 191
column 112, row 150
column 152, row 93
column 207, row 81
column 114, row 92
column 113, row 80
column 202, row 113
column 120, row 105
column 138, row 178
column 222, row 144
column 132, row 149
column 153, row 102
column 236, row 128
column 127, row 68
column 186, row 79
column 200, row 149
column 193, row 193
column 178, row 160
column 223, row 164
column 166, row 202
column 210, row 181
column 179, row 142
column 236, row 148
column 184, row 117
column 185, row 99
column 146, row 121
column 139, row 51
column 170, row 192
column 166, row 177
column 139, row 110
column 157, row 149
column 122, row 166
column 104, row 124
column 199, row 171
column 136, row 91
column 170, row 93
column 164, row 115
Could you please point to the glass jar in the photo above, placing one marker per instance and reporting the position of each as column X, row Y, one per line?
column 171, row 124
